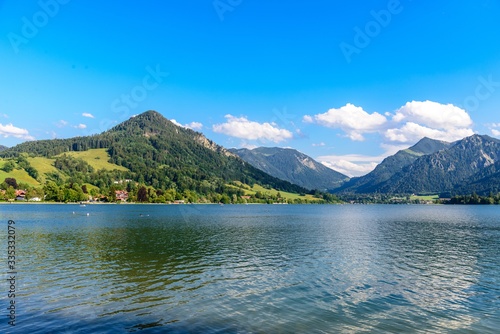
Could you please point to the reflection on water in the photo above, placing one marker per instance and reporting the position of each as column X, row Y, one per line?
column 213, row 269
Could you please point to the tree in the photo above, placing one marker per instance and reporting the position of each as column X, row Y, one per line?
column 10, row 193
column 34, row 192
column 53, row 192
column 9, row 166
column 142, row 194
column 11, row 182
column 225, row 199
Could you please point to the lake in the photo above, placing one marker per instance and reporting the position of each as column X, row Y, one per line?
column 253, row 268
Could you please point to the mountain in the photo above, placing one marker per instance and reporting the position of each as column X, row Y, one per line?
column 446, row 170
column 293, row 166
column 3, row 148
column 483, row 182
column 158, row 153
column 463, row 167
column 392, row 165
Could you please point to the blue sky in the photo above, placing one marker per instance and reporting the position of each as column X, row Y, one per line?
column 346, row 82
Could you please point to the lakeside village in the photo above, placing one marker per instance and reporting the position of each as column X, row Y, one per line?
column 129, row 191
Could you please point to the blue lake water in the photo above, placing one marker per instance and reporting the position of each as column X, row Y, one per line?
column 253, row 269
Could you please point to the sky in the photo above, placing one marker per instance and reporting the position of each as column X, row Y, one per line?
column 345, row 82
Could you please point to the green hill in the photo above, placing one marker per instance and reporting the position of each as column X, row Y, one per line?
column 149, row 150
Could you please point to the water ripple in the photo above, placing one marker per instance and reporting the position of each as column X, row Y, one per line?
column 260, row 269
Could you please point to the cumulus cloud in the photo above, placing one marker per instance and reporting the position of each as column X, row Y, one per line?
column 433, row 115
column 10, row 130
column 80, row 126
column 356, row 164
column 353, row 120
column 176, row 123
column 192, row 125
column 412, row 132
column 417, row 119
column 350, row 164
column 494, row 129
column 89, row 115
column 241, row 127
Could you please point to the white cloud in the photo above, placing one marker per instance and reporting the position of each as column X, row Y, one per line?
column 86, row 114
column 356, row 164
column 80, row 126
column 308, row 119
column 248, row 145
column 412, row 132
column 417, row 119
column 493, row 128
column 318, row 144
column 52, row 134
column 192, row 125
column 61, row 124
column 241, row 127
column 433, row 115
column 176, row 123
column 354, row 121
column 10, row 130
column 350, row 164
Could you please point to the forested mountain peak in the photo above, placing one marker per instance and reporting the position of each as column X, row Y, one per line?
column 150, row 123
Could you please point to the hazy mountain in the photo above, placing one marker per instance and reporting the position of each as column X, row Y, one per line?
column 3, row 148
column 293, row 166
column 392, row 165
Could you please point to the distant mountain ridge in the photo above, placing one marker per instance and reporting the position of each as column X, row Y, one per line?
column 393, row 164
column 463, row 167
column 447, row 170
column 292, row 166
